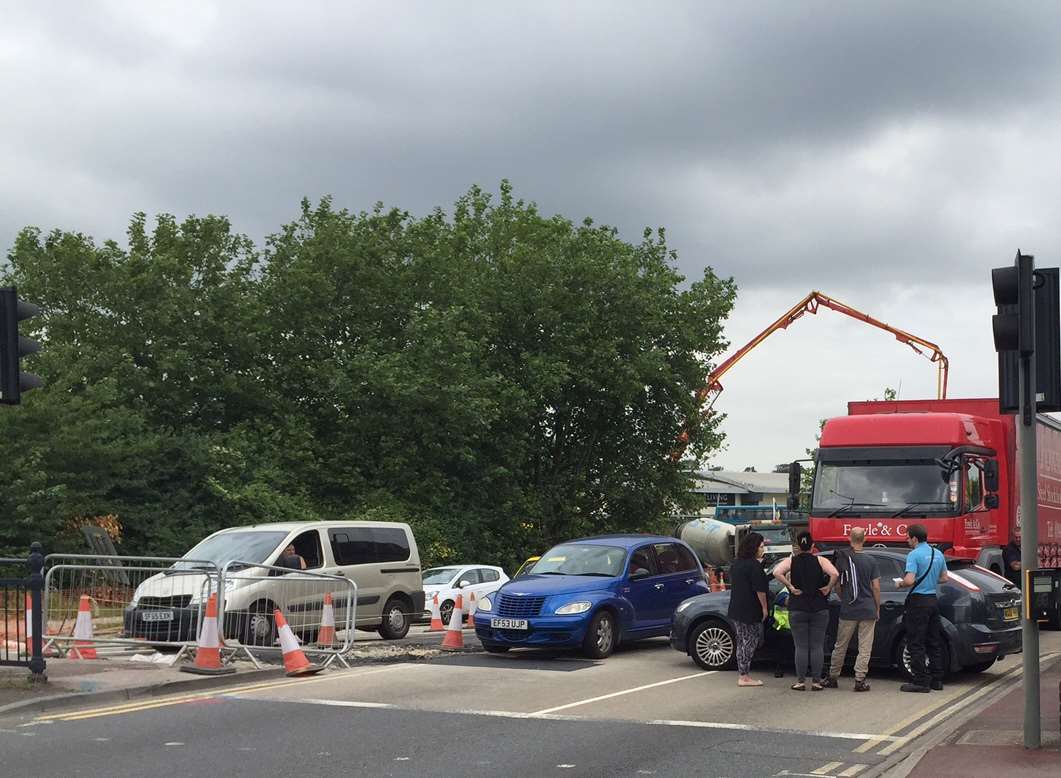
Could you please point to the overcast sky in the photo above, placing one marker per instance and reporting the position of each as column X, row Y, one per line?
column 887, row 154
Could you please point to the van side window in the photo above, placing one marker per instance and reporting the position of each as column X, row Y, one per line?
column 352, row 545
column 308, row 546
column 392, row 544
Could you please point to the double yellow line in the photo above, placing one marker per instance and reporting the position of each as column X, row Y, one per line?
column 178, row 699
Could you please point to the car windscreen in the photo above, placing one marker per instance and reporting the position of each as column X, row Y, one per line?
column 775, row 537
column 578, row 559
column 439, row 575
column 227, row 547
column 884, row 486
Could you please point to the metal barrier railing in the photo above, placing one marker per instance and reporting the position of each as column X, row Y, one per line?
column 141, row 601
column 21, row 587
column 250, row 593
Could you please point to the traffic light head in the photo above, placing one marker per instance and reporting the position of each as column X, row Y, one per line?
column 13, row 382
column 1014, row 324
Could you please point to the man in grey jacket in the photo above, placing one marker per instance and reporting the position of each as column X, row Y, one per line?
column 859, row 610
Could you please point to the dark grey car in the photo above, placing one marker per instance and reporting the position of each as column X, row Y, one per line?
column 980, row 613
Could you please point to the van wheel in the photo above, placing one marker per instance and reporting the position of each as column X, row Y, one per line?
column 258, row 628
column 396, row 619
column 600, row 636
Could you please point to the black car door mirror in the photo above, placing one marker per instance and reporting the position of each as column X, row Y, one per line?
column 991, row 475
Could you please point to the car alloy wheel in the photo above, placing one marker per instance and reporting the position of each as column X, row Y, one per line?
column 714, row 646
column 605, row 636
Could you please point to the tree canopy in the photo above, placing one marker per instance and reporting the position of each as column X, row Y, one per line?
column 500, row 379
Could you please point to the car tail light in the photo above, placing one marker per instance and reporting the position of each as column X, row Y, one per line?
column 963, row 582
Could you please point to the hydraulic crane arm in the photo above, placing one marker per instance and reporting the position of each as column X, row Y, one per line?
column 809, row 304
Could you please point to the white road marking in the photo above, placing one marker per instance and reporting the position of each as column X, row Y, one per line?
column 401, row 759
column 826, row 769
column 508, row 714
column 565, row 766
column 173, row 743
column 621, row 693
column 772, row 730
column 102, row 739
column 306, row 700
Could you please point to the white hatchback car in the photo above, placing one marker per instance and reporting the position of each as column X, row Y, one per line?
column 447, row 581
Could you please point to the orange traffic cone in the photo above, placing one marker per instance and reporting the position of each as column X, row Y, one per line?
column 326, row 635
column 208, row 650
column 295, row 662
column 454, row 637
column 83, row 646
column 471, row 609
column 436, row 616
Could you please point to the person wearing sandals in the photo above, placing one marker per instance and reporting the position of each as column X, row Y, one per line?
column 747, row 603
column 809, row 579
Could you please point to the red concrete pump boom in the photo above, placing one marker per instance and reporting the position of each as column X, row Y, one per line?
column 809, row 304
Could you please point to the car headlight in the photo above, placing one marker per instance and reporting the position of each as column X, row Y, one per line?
column 572, row 608
column 683, row 605
column 485, row 604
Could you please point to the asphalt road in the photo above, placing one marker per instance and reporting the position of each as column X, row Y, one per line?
column 645, row 711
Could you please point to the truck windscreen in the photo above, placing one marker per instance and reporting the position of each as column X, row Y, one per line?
column 883, row 487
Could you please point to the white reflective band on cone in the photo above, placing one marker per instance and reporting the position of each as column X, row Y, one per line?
column 288, row 641
column 208, row 637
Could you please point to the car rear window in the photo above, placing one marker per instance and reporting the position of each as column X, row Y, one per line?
column 979, row 576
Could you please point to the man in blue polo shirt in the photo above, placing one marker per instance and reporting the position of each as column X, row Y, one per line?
column 925, row 570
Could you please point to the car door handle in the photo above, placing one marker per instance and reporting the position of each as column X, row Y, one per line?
column 690, row 581
column 891, row 606
column 659, row 586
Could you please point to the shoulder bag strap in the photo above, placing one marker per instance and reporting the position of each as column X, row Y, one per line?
column 923, row 575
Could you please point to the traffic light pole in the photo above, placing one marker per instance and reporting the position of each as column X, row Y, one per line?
column 1029, row 544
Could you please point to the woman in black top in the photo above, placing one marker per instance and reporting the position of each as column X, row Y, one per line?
column 747, row 603
column 809, row 579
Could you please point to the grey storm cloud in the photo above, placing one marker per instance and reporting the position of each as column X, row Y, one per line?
column 750, row 132
column 886, row 153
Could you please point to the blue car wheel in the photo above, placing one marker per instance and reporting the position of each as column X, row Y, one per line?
column 600, row 636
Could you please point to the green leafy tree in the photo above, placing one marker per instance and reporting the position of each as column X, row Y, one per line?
column 500, row 379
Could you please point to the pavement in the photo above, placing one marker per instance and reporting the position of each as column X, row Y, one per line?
column 991, row 741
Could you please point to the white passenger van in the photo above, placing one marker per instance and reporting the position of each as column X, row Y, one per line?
column 380, row 557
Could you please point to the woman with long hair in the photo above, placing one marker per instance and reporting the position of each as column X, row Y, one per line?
column 747, row 603
column 809, row 579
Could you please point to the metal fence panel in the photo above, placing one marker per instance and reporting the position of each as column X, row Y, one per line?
column 251, row 593
column 143, row 601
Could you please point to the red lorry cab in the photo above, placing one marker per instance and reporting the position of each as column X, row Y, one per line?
column 949, row 465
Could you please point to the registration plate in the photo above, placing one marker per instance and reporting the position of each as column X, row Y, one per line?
column 156, row 615
column 508, row 623
column 1011, row 614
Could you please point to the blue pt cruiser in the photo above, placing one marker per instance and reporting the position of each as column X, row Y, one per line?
column 592, row 594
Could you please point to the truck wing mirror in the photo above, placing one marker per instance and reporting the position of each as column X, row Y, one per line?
column 991, row 475
column 991, row 501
